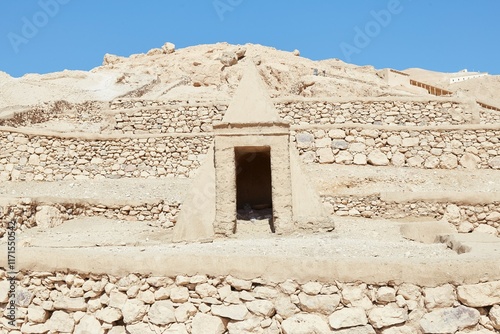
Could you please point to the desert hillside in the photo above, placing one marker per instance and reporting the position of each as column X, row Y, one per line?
column 211, row 72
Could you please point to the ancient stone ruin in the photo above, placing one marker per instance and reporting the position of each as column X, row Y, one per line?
column 251, row 167
column 228, row 189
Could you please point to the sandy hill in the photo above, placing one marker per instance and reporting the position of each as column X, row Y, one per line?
column 484, row 89
column 198, row 72
column 213, row 71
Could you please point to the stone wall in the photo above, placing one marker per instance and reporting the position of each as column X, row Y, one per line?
column 490, row 117
column 185, row 118
column 87, row 303
column 483, row 218
column 28, row 213
column 47, row 158
column 440, row 148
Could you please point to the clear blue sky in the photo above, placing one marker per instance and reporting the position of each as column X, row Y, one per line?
column 51, row 35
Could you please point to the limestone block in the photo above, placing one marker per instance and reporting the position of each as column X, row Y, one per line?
column 480, row 295
column 207, row 324
column 439, row 297
column 89, row 324
column 389, row 315
column 234, row 312
column 377, row 158
column 324, row 304
column 305, row 323
column 449, row 320
column 162, row 313
column 348, row 317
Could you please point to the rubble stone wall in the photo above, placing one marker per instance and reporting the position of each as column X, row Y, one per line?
column 137, row 304
column 48, row 158
column 439, row 148
column 484, row 217
column 24, row 213
column 199, row 118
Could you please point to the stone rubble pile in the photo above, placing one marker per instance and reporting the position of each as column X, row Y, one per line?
column 77, row 303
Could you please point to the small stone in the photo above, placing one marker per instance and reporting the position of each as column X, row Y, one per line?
column 449, row 161
column 324, row 304
column 325, row 155
column 261, row 307
column 37, row 314
column 109, row 314
column 469, row 161
column 61, row 322
column 377, row 158
column 344, row 157
column 495, row 316
column 179, row 294
column 312, row 288
column 386, row 294
column 184, row 312
column 239, row 284
column 360, row 159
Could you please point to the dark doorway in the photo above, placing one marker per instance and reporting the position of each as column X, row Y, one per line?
column 254, row 184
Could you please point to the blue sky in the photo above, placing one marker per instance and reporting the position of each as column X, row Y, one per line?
column 43, row 36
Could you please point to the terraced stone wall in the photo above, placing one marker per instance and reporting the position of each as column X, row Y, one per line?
column 138, row 304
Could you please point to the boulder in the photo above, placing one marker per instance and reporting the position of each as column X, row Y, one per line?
column 168, row 48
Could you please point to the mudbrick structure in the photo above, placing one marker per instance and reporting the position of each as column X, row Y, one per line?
column 252, row 215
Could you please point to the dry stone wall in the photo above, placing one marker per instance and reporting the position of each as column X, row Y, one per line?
column 48, row 158
column 136, row 304
column 443, row 149
column 28, row 213
column 484, row 217
column 155, row 117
